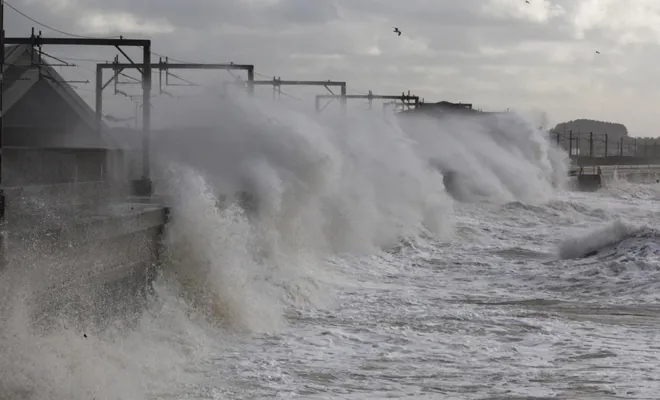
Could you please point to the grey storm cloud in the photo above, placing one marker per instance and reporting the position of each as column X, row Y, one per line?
column 494, row 53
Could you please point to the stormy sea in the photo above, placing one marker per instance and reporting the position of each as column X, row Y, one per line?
column 370, row 257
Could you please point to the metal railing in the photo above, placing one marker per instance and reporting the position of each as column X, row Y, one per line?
column 595, row 145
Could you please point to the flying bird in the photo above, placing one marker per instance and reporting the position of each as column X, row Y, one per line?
column 597, row 52
column 397, row 31
column 527, row 1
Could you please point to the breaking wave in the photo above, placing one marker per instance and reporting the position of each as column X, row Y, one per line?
column 594, row 241
column 618, row 260
column 491, row 157
column 263, row 195
column 264, row 201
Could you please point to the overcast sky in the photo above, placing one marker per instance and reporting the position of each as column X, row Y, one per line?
column 496, row 54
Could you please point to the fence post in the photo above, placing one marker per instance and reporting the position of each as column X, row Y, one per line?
column 646, row 148
column 591, row 144
column 621, row 147
column 607, row 153
column 570, row 143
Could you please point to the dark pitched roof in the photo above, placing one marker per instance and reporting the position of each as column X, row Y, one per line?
column 20, row 77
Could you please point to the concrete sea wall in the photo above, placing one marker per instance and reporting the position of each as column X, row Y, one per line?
column 81, row 246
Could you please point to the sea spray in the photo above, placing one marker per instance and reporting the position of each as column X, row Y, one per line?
column 496, row 157
column 363, row 172
column 152, row 360
column 320, row 187
column 209, row 255
column 71, row 358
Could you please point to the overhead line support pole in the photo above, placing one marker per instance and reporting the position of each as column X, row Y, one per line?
column 277, row 82
column 146, row 117
column 161, row 66
column 147, row 66
column 169, row 65
column 405, row 98
column 2, row 71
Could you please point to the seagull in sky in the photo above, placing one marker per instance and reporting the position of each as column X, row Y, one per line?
column 397, row 31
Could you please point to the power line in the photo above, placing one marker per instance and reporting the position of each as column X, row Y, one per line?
column 357, row 91
column 79, row 36
column 50, row 27
column 87, row 37
column 289, row 95
column 87, row 69
column 82, row 59
column 262, row 75
column 61, row 59
column 170, row 58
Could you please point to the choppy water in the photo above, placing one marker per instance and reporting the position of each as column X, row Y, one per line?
column 493, row 313
column 359, row 277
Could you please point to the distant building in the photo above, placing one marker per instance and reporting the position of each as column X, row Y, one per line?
column 443, row 108
column 447, row 105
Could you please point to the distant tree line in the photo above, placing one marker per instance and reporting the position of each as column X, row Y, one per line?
column 600, row 139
